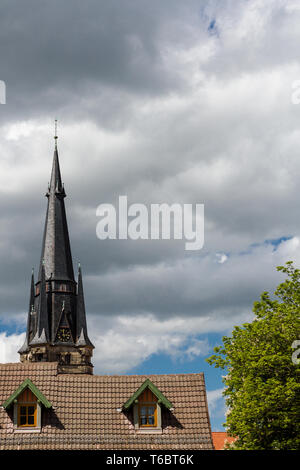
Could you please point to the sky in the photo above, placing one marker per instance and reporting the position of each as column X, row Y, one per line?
column 165, row 102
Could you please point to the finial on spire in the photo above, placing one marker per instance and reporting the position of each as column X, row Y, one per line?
column 55, row 136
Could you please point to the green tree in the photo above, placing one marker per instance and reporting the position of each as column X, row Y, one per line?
column 262, row 384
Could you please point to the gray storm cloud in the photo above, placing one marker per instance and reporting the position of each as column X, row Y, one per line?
column 164, row 102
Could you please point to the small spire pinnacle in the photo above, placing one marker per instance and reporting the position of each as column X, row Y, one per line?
column 55, row 136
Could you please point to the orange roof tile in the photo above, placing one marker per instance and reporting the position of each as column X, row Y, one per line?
column 85, row 410
column 220, row 439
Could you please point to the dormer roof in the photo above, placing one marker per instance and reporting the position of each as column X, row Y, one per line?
column 159, row 395
column 26, row 384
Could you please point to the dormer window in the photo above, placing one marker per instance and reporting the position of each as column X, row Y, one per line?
column 27, row 415
column 146, row 404
column 147, row 414
column 27, row 402
column 147, row 409
column 27, row 409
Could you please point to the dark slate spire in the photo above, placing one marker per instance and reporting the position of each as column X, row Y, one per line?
column 42, row 330
column 81, row 328
column 56, row 249
column 56, row 326
column 30, row 326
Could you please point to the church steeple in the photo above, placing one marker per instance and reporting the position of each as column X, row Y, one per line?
column 56, row 326
column 56, row 251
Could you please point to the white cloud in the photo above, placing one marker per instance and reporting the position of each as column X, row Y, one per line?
column 215, row 294
column 292, row 7
column 9, row 346
column 213, row 398
column 216, row 405
column 221, row 257
column 124, row 342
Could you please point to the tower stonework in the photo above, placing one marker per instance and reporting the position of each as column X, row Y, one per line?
column 56, row 324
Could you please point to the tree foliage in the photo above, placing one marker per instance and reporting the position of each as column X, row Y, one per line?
column 262, row 386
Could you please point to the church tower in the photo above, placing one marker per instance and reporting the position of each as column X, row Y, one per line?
column 56, row 325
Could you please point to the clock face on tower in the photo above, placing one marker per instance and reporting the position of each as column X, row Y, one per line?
column 64, row 335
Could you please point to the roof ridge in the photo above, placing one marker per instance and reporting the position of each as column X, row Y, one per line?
column 50, row 365
column 149, row 375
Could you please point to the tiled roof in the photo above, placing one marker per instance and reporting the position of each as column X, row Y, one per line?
column 86, row 414
column 220, row 439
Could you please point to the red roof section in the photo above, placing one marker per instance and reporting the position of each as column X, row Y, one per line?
column 220, row 439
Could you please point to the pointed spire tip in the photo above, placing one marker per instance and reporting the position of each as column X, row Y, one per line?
column 55, row 134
